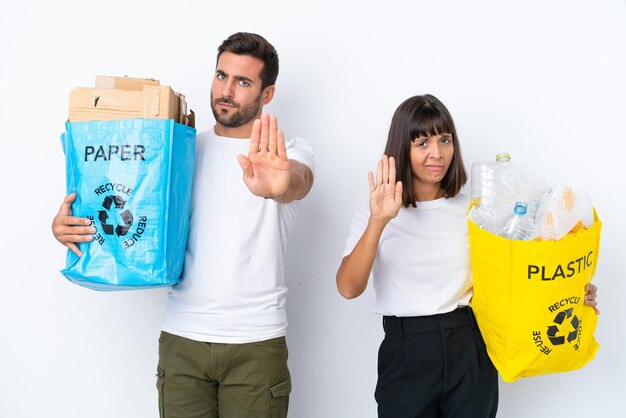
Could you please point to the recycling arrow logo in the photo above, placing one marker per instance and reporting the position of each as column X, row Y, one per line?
column 569, row 329
column 114, row 218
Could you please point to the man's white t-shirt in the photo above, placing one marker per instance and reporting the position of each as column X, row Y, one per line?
column 233, row 288
column 422, row 264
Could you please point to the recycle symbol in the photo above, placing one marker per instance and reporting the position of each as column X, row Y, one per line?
column 117, row 217
column 556, row 336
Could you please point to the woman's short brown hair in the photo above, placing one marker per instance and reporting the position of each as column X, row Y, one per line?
column 423, row 116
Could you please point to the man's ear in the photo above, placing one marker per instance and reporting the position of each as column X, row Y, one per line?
column 268, row 94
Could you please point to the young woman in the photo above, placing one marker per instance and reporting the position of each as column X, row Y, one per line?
column 413, row 238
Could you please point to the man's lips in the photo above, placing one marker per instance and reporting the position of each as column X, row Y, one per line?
column 226, row 104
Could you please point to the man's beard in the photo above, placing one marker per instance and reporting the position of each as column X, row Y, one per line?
column 239, row 117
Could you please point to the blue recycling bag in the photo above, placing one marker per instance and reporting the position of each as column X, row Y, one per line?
column 133, row 180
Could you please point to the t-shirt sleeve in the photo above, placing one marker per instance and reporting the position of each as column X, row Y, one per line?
column 357, row 227
column 300, row 150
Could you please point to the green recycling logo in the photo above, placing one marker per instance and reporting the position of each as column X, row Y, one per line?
column 565, row 326
column 114, row 218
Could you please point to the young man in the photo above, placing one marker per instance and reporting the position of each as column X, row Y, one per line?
column 222, row 349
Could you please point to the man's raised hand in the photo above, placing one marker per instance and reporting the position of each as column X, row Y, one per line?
column 266, row 168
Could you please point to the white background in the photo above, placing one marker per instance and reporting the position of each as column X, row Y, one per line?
column 543, row 80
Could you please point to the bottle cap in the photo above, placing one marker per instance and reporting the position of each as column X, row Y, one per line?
column 503, row 157
column 520, row 208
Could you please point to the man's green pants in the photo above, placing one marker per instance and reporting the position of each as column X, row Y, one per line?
column 210, row 380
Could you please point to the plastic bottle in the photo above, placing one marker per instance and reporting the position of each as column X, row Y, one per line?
column 488, row 180
column 510, row 181
column 484, row 177
column 520, row 225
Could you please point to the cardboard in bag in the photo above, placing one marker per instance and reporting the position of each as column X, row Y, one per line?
column 152, row 102
column 124, row 83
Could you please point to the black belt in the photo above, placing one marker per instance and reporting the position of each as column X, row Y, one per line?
column 399, row 326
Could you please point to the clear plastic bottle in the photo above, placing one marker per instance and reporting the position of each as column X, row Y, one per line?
column 520, row 225
column 488, row 180
column 484, row 176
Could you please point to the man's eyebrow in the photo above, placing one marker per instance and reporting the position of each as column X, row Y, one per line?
column 240, row 77
column 236, row 77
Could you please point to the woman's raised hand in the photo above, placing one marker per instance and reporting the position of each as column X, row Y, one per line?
column 385, row 193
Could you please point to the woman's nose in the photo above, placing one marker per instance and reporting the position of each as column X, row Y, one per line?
column 435, row 151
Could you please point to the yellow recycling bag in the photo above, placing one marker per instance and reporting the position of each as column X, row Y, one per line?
column 528, row 300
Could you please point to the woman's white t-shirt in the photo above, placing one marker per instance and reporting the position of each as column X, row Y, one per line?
column 422, row 264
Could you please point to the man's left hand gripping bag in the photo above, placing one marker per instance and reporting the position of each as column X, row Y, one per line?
column 133, row 180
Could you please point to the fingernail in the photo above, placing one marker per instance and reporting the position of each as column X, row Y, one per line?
column 87, row 221
column 92, row 230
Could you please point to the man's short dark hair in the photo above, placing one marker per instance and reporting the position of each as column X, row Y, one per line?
column 243, row 43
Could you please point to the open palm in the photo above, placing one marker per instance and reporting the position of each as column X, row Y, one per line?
column 266, row 167
column 385, row 193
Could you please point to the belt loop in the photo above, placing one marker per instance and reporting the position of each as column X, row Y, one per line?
column 400, row 319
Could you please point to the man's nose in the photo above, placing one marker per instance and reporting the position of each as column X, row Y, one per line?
column 228, row 89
